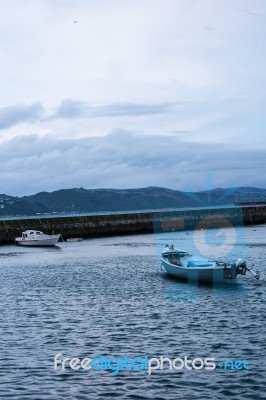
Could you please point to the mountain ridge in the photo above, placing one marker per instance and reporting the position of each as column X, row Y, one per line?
column 81, row 200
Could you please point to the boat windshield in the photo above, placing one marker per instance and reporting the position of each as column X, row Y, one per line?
column 176, row 254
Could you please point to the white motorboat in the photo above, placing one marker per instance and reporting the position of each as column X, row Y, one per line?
column 36, row 238
column 183, row 265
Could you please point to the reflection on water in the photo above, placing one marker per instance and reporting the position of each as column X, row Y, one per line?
column 192, row 291
column 105, row 296
column 11, row 254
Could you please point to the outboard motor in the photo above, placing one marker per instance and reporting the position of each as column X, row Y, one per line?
column 241, row 267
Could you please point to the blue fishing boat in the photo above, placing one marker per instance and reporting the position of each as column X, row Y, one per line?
column 182, row 265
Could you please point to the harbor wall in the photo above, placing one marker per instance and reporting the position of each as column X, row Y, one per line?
column 93, row 226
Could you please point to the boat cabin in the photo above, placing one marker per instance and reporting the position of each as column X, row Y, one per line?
column 30, row 233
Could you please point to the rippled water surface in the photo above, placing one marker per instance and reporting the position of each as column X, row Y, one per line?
column 105, row 297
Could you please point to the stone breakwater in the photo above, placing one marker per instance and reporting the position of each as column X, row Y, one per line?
column 92, row 226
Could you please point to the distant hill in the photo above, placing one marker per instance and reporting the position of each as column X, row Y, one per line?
column 15, row 206
column 103, row 200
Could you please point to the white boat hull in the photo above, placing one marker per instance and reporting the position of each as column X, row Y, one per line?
column 210, row 275
column 49, row 240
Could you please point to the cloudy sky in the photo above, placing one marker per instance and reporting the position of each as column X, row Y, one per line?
column 135, row 93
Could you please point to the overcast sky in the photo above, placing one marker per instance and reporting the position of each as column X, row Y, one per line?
column 135, row 93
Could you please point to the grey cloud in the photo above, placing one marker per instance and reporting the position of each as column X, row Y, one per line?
column 20, row 113
column 72, row 108
column 122, row 160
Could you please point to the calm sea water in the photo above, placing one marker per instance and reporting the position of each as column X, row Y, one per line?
column 106, row 297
